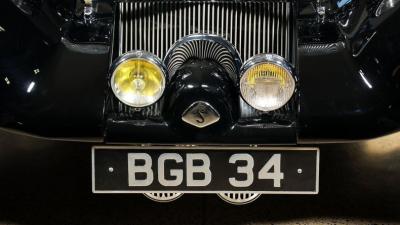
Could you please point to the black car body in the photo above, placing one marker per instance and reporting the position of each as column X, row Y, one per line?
column 57, row 59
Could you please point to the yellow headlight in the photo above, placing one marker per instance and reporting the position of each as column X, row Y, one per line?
column 267, row 82
column 138, row 82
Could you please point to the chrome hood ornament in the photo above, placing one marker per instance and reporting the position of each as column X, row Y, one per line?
column 200, row 114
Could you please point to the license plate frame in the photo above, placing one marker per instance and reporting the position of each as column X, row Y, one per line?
column 189, row 149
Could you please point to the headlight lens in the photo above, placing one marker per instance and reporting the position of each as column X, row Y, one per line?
column 138, row 79
column 267, row 82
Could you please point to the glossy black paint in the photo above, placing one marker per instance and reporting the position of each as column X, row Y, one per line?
column 346, row 95
column 90, row 29
column 201, row 80
column 343, row 100
column 46, row 16
column 358, row 21
column 147, row 131
column 68, row 93
column 346, row 92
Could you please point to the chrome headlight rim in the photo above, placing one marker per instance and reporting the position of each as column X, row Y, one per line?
column 142, row 55
column 272, row 59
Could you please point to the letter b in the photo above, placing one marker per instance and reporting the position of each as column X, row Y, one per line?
column 134, row 169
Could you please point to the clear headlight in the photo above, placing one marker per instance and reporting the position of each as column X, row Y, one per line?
column 267, row 82
column 138, row 79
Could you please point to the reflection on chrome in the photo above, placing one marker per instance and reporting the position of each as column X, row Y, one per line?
column 30, row 87
column 342, row 3
column 345, row 24
column 385, row 6
column 8, row 82
column 365, row 79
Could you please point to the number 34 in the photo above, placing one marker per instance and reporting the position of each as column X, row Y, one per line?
column 265, row 173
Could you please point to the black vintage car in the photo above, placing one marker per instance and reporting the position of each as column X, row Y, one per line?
column 201, row 96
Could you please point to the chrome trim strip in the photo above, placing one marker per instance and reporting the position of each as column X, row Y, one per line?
column 364, row 45
column 273, row 28
column 287, row 32
column 120, row 29
column 244, row 53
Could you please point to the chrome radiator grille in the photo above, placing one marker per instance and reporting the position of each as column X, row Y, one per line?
column 252, row 26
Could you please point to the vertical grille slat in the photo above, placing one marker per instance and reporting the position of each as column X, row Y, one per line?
column 253, row 27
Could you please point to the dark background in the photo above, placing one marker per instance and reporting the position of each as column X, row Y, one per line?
column 49, row 182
